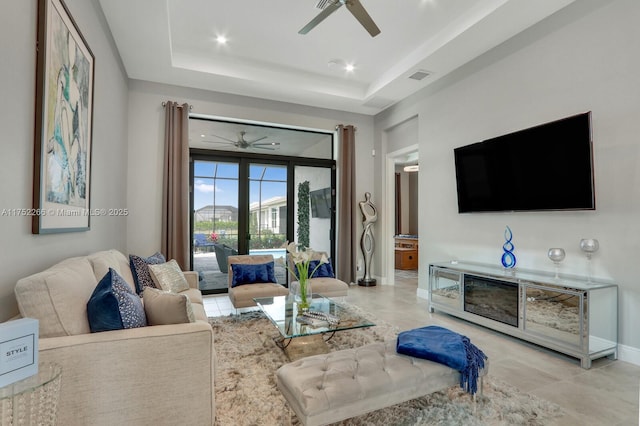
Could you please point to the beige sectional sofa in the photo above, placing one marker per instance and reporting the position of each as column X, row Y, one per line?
column 153, row 375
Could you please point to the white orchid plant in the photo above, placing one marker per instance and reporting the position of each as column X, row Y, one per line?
column 301, row 258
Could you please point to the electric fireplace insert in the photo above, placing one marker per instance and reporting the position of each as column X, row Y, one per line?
column 493, row 299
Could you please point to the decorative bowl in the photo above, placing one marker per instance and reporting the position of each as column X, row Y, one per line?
column 556, row 254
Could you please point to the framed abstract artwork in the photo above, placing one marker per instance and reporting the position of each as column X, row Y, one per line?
column 63, row 123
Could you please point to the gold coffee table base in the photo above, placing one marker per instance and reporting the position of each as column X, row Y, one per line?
column 301, row 347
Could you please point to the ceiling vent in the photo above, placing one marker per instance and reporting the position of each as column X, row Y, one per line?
column 420, row 74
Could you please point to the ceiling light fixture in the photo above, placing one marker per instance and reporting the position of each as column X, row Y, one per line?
column 221, row 39
column 412, row 168
column 349, row 67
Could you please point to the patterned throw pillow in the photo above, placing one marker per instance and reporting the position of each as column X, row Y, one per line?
column 140, row 270
column 114, row 306
column 169, row 277
column 252, row 273
column 163, row 307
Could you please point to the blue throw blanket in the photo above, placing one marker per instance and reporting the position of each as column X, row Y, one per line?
column 446, row 347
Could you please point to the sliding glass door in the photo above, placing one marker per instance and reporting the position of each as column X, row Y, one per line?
column 242, row 206
column 215, row 198
column 245, row 197
column 268, row 207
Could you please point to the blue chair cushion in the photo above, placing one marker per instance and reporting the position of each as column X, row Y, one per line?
column 114, row 305
column 253, row 273
column 325, row 270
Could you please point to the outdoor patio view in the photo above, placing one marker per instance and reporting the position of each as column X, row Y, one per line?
column 216, row 217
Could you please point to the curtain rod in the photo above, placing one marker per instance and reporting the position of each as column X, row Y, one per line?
column 179, row 106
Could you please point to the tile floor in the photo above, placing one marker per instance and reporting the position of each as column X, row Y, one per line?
column 606, row 394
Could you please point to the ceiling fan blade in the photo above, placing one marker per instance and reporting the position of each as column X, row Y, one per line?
column 266, row 144
column 357, row 10
column 256, row 140
column 223, row 138
column 321, row 16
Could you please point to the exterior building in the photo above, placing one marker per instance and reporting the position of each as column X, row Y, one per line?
column 219, row 213
column 270, row 214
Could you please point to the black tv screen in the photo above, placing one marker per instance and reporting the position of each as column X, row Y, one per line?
column 320, row 203
column 547, row 167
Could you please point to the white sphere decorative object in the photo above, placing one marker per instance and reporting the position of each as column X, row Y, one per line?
column 589, row 246
column 556, row 254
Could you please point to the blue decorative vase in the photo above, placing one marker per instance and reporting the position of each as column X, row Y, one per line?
column 508, row 258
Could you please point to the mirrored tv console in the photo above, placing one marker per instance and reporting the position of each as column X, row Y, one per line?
column 568, row 314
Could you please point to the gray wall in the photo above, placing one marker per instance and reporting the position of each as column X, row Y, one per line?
column 583, row 58
column 23, row 253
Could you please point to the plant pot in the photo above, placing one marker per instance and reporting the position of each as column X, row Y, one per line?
column 302, row 293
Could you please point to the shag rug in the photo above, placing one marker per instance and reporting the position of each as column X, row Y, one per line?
column 246, row 392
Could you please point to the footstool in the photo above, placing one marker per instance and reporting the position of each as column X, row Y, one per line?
column 327, row 388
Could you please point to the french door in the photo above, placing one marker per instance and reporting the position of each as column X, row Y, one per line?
column 249, row 204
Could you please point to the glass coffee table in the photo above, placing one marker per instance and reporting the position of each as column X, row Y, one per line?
column 302, row 335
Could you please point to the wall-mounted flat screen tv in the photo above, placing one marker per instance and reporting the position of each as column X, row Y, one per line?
column 320, row 203
column 547, row 167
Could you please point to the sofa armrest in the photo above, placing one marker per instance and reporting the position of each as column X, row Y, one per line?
column 192, row 278
column 133, row 376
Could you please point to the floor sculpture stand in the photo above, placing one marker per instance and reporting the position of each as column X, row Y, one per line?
column 367, row 242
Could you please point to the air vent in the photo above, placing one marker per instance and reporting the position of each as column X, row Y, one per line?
column 420, row 74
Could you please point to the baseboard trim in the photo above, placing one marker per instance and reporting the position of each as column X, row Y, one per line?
column 629, row 354
column 423, row 293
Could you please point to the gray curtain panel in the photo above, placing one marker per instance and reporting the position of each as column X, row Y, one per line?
column 175, row 184
column 346, row 250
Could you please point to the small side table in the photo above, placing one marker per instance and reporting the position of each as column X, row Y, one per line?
column 32, row 401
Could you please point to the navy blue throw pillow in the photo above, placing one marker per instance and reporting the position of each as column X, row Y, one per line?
column 325, row 270
column 252, row 273
column 114, row 305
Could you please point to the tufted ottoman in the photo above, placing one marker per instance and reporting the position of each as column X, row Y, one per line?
column 327, row 388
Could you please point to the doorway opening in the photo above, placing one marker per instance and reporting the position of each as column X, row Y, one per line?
column 244, row 200
column 402, row 226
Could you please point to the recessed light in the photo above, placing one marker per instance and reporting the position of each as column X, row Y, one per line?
column 349, row 67
column 412, row 168
column 221, row 39
column 202, row 136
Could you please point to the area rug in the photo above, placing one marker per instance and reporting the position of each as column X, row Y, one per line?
column 246, row 392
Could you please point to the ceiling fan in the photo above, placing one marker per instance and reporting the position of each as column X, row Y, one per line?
column 242, row 143
column 354, row 6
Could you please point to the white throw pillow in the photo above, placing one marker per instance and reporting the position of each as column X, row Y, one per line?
column 169, row 277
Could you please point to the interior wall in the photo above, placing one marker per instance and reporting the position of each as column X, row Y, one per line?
column 319, row 228
column 22, row 252
column 580, row 59
column 146, row 141
column 414, row 200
